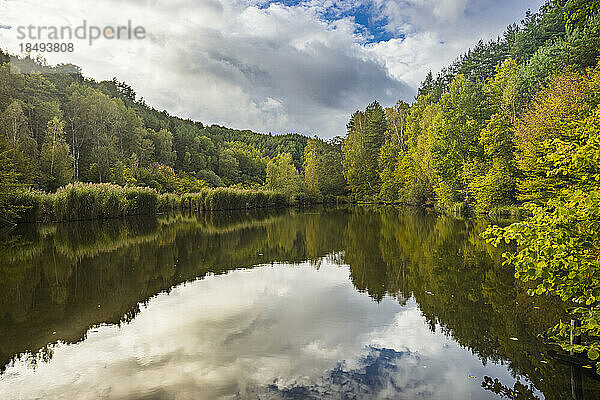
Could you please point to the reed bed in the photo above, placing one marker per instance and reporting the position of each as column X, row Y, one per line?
column 33, row 206
column 83, row 201
column 89, row 201
column 169, row 202
column 233, row 199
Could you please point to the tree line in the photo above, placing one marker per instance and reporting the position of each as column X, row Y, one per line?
column 57, row 127
column 471, row 139
column 476, row 133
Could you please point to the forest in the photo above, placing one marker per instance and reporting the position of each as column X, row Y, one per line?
column 495, row 128
column 58, row 127
column 488, row 133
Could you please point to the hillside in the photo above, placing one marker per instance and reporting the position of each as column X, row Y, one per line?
column 113, row 135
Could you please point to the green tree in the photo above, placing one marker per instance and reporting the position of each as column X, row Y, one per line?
column 497, row 185
column 40, row 104
column 15, row 127
column 228, row 166
column 251, row 164
column 503, row 90
column 282, row 175
column 56, row 161
column 323, row 169
column 15, row 173
column 311, row 166
column 366, row 135
column 11, row 84
column 163, row 146
column 578, row 12
column 550, row 132
column 160, row 177
column 393, row 149
column 494, row 175
column 455, row 131
column 121, row 174
column 414, row 173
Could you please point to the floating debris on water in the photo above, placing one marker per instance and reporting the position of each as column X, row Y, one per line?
column 514, row 338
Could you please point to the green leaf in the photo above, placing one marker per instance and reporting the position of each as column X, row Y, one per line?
column 593, row 354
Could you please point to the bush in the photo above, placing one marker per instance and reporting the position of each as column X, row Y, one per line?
column 557, row 251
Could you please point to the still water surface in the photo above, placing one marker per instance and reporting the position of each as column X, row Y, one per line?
column 328, row 303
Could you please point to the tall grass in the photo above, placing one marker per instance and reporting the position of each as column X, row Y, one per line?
column 33, row 206
column 194, row 201
column 169, row 202
column 225, row 199
column 82, row 201
column 235, row 199
column 88, row 201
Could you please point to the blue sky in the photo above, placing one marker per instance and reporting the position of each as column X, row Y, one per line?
column 369, row 22
column 287, row 66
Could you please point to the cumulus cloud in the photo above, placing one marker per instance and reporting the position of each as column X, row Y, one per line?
column 272, row 67
column 429, row 34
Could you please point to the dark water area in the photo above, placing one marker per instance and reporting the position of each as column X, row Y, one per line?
column 354, row 303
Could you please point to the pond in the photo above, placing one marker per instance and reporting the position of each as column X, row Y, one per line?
column 340, row 303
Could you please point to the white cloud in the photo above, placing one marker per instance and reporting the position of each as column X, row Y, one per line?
column 268, row 67
column 449, row 10
column 437, row 32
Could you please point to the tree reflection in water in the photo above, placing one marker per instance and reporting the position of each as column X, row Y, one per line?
column 59, row 281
